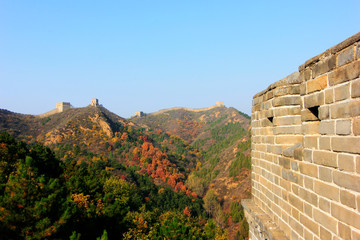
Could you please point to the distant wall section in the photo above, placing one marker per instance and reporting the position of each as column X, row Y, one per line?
column 306, row 151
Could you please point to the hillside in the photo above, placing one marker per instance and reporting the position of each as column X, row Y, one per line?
column 201, row 154
column 223, row 136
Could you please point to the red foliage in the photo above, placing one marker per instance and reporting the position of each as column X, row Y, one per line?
column 187, row 211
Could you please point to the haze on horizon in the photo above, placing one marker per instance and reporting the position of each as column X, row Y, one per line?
column 151, row 55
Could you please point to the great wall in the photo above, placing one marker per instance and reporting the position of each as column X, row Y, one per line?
column 306, row 151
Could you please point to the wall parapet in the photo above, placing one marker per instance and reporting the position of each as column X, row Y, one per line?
column 306, row 150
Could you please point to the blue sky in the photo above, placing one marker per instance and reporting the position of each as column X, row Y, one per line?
column 149, row 55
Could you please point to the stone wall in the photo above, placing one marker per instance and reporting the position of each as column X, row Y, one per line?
column 306, row 151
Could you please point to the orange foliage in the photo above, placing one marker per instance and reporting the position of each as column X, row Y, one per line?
column 187, row 211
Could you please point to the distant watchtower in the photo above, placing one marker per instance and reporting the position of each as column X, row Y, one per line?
column 220, row 104
column 94, row 102
column 139, row 114
column 61, row 106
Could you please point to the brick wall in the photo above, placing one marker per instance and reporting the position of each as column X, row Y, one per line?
column 306, row 151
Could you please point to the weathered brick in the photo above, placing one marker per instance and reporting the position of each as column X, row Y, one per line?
column 324, row 143
column 346, row 56
column 307, row 115
column 347, row 198
column 308, row 196
column 326, row 190
column 296, row 202
column 355, row 89
column 287, row 90
column 344, row 73
column 343, row 127
column 356, row 126
column 346, row 162
column 342, row 92
column 310, row 128
column 287, row 130
column 345, row 215
column 307, row 155
column 323, row 112
column 344, row 231
column 302, row 89
column 308, row 169
column 346, row 144
column 355, row 235
column 357, row 51
column 316, row 84
column 290, row 110
column 347, row 180
column 288, row 140
column 324, row 66
column 324, row 204
column 329, row 96
column 298, row 154
column 325, row 174
column 325, row 220
column 315, row 99
column 324, row 234
column 358, row 164
column 296, row 226
column 325, row 158
column 311, row 142
column 348, row 109
column 284, row 162
column 286, row 100
column 327, row 127
column 288, row 120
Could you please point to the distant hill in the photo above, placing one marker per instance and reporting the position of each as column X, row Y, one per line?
column 202, row 152
column 223, row 136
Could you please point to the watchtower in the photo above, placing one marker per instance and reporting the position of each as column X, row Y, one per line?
column 61, row 106
column 94, row 102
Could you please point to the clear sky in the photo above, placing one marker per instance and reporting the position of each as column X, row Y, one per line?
column 146, row 55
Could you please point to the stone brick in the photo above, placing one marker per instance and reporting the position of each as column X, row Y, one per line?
column 324, row 66
column 344, row 73
column 311, row 142
column 287, row 130
column 347, row 180
column 355, row 89
column 288, row 140
column 342, row 92
column 284, row 162
column 324, row 234
column 298, row 154
column 286, row 100
column 324, row 204
column 344, row 110
column 323, row 112
column 307, row 115
column 310, row 128
column 296, row 226
column 287, row 90
column 343, row 127
column 325, row 220
column 324, row 143
column 325, row 158
column 344, row 215
column 344, row 231
column 307, row 155
column 346, row 162
column 327, row 127
column 325, row 174
column 326, row 190
column 316, row 84
column 347, row 198
column 308, row 196
column 358, row 164
column 346, row 56
column 288, row 120
column 346, row 144
column 355, row 235
column 296, row 202
column 290, row 110
column 329, row 96
column 308, row 209
column 302, row 89
column 356, row 126
column 315, row 99
column 357, row 51
column 308, row 169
